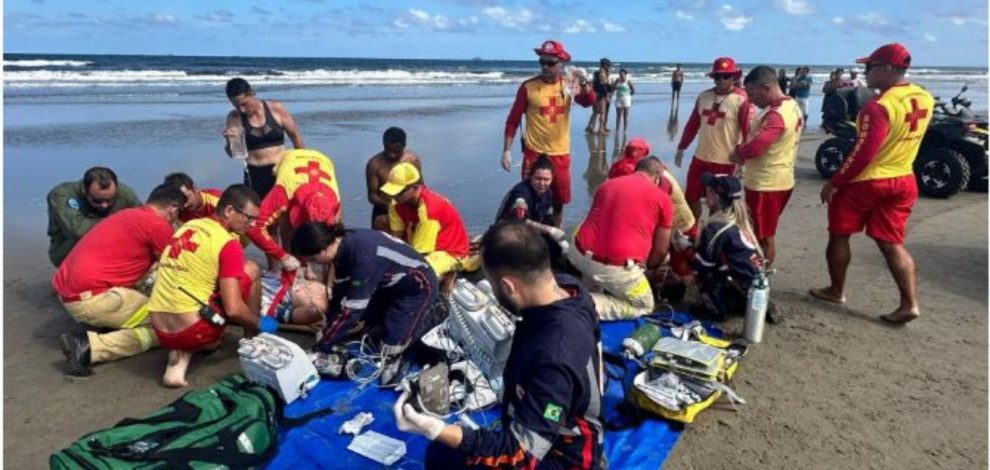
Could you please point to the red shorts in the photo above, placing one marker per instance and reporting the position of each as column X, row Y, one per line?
column 561, row 184
column 765, row 208
column 193, row 338
column 882, row 206
column 694, row 190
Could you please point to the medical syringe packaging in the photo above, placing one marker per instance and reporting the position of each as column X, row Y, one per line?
column 481, row 327
column 278, row 363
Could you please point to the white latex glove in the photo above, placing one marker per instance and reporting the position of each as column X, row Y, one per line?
column 507, row 160
column 408, row 420
column 290, row 263
column 680, row 241
column 678, row 157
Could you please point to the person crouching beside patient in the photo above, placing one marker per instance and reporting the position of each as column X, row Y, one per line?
column 727, row 256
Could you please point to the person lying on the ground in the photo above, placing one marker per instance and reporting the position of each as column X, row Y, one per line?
column 376, row 278
column 377, row 170
column 551, row 413
column 626, row 232
column 204, row 264
column 426, row 220
column 74, row 207
column 101, row 282
column 728, row 256
column 199, row 202
column 306, row 190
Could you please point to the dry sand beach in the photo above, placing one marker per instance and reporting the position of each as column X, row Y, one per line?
column 831, row 387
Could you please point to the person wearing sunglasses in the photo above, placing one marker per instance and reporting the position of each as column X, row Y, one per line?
column 74, row 207
column 542, row 99
column 203, row 282
column 875, row 188
column 103, row 281
column 720, row 120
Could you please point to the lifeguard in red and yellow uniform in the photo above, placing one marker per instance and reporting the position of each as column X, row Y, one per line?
column 305, row 188
column 875, row 188
column 545, row 100
column 720, row 120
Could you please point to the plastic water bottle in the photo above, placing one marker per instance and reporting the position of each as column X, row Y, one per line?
column 757, row 299
column 238, row 145
column 642, row 339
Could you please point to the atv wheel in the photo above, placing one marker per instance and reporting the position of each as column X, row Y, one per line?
column 941, row 172
column 829, row 156
column 977, row 184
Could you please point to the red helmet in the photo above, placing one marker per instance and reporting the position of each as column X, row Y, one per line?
column 553, row 48
column 725, row 65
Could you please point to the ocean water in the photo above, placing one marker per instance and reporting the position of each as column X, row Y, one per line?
column 146, row 116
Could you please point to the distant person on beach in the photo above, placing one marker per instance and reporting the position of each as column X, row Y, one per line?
column 624, row 90
column 728, row 257
column 548, row 123
column 855, row 80
column 378, row 168
column 875, row 188
column 103, row 281
column 305, row 190
column 768, row 158
column 199, row 202
column 601, row 82
column 676, row 80
column 720, row 119
column 204, row 264
column 264, row 125
column 801, row 88
column 74, row 207
column 626, row 229
column 426, row 220
column 783, row 81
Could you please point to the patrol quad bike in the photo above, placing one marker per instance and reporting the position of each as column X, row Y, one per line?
column 953, row 153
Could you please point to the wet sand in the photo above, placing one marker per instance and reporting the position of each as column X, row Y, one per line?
column 832, row 387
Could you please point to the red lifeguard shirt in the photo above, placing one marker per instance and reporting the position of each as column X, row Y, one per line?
column 115, row 253
column 625, row 213
column 210, row 199
column 435, row 224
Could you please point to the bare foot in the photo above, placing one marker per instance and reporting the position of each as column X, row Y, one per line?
column 588, row 130
column 826, row 294
column 175, row 372
column 900, row 317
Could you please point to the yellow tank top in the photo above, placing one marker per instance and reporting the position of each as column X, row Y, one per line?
column 909, row 109
column 548, row 117
column 301, row 166
column 774, row 170
column 720, row 129
column 191, row 260
column 683, row 217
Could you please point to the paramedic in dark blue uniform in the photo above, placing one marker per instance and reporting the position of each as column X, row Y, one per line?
column 727, row 256
column 376, row 278
column 551, row 404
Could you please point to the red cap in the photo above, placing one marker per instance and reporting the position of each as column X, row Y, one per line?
column 725, row 65
column 889, row 54
column 553, row 48
column 637, row 148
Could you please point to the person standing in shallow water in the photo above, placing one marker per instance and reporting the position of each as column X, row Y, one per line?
column 265, row 125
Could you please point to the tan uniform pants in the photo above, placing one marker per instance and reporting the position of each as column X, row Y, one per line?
column 121, row 308
column 627, row 293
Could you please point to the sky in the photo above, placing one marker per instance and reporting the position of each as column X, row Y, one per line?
column 937, row 32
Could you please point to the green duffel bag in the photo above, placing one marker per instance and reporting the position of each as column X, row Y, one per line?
column 231, row 424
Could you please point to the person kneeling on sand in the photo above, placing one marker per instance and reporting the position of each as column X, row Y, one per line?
column 204, row 264
column 728, row 257
column 102, row 283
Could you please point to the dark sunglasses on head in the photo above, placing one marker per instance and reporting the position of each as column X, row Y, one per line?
column 723, row 76
column 549, row 63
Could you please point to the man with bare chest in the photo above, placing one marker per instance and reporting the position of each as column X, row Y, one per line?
column 377, row 170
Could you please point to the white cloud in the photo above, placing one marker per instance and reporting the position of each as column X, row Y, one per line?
column 958, row 20
column 610, row 27
column 683, row 15
column 216, row 16
column 400, row 23
column 733, row 20
column 579, row 26
column 416, row 17
column 510, row 19
column 872, row 19
column 930, row 38
column 838, row 20
column 795, row 7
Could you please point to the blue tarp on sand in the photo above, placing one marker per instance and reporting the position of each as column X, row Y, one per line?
column 318, row 445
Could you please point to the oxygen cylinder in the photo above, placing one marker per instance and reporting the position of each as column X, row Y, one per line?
column 757, row 299
column 642, row 339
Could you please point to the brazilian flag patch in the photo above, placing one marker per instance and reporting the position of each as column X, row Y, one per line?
column 552, row 412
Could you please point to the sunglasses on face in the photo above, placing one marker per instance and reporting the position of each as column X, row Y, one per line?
column 723, row 76
column 872, row 66
column 548, row 63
